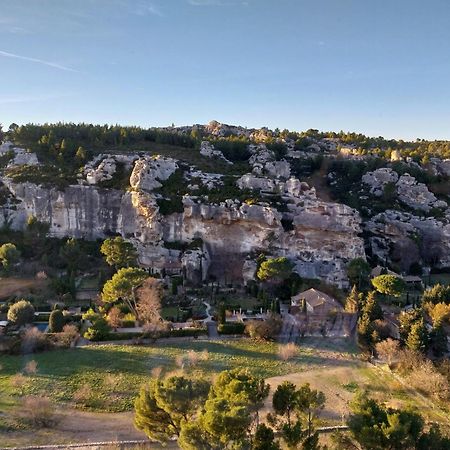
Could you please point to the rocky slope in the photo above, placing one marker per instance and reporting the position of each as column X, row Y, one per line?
column 183, row 219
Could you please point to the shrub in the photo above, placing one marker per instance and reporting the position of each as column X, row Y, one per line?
column 231, row 328
column 21, row 313
column 287, row 351
column 388, row 350
column 265, row 330
column 98, row 331
column 18, row 381
column 34, row 340
column 68, row 335
column 56, row 321
column 31, row 367
column 38, row 411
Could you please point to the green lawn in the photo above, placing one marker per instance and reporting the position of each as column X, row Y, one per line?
column 108, row 377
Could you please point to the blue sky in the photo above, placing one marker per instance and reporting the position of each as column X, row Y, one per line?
column 381, row 67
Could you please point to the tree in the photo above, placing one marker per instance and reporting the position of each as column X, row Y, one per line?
column 9, row 255
column 406, row 320
column 388, row 349
column 72, row 255
column 310, row 402
column 163, row 406
column 148, row 300
column 228, row 413
column 358, row 271
column 21, row 313
column 122, row 286
column 439, row 313
column 353, row 301
column 56, row 321
column 438, row 341
column 222, row 317
column 372, row 307
column 376, row 427
column 389, row 285
column 264, row 439
column 437, row 294
column 418, row 336
column 275, row 270
column 114, row 317
column 284, row 400
column 118, row 252
column 35, row 235
column 291, row 403
column 98, row 331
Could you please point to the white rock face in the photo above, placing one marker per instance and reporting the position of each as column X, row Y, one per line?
column 149, row 171
column 408, row 238
column 104, row 166
column 416, row 195
column 208, row 150
column 20, row 155
column 378, row 179
column 252, row 182
column 410, row 192
column 322, row 239
column 440, row 166
column 278, row 169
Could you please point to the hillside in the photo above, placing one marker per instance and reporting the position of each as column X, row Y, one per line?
column 208, row 199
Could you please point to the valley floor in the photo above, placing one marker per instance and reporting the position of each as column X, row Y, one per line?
column 114, row 373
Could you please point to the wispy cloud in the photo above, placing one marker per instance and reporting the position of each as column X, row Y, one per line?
column 31, row 98
column 145, row 8
column 37, row 61
column 217, row 2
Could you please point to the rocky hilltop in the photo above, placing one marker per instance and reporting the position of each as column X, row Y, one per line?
column 214, row 224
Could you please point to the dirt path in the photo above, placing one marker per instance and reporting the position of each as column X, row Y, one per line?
column 78, row 426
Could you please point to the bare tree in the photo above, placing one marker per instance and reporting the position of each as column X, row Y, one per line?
column 148, row 301
column 388, row 350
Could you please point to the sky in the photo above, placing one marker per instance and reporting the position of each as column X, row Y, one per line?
column 380, row 67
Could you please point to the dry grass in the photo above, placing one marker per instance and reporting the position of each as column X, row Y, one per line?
column 287, row 351
column 38, row 412
column 83, row 394
column 31, row 367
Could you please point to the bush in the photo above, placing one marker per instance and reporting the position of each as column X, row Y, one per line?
column 231, row 328
column 38, row 411
column 265, row 330
column 56, row 321
column 34, row 340
column 287, row 351
column 68, row 335
column 98, row 331
column 21, row 313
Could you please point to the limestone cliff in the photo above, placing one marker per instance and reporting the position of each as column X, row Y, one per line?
column 321, row 237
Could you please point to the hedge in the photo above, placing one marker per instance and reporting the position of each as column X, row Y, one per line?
column 231, row 328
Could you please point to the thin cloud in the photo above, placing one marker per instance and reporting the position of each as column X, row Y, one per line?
column 37, row 61
column 217, row 2
column 31, row 98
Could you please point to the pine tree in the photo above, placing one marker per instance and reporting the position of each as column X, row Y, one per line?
column 418, row 336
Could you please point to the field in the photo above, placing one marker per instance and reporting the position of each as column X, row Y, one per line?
column 109, row 378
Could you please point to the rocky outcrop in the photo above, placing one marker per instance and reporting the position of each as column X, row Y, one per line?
column 404, row 238
column 149, row 171
column 322, row 239
column 19, row 156
column 416, row 195
column 207, row 149
column 409, row 191
column 104, row 166
column 378, row 179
